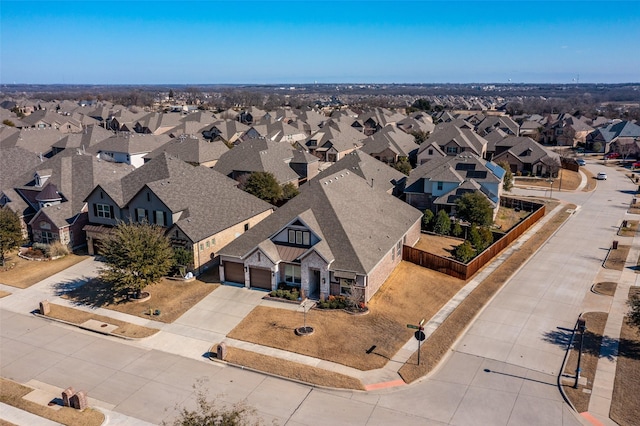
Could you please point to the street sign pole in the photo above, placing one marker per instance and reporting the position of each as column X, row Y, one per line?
column 418, row 334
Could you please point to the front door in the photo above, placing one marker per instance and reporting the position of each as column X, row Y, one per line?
column 314, row 284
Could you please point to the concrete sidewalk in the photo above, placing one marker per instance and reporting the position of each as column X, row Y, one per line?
column 210, row 320
column 602, row 392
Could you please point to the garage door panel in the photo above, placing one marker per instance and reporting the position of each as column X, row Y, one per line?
column 260, row 278
column 234, row 272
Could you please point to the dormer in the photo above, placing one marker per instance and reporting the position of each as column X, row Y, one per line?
column 41, row 177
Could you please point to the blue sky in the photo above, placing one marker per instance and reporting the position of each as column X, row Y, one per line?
column 219, row 42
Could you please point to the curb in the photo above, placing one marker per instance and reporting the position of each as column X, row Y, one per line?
column 451, row 350
column 277, row 376
column 564, row 363
column 88, row 328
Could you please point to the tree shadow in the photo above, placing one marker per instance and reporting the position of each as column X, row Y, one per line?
column 95, row 293
column 608, row 348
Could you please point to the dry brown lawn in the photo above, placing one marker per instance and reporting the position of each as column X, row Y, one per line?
column 292, row 370
column 440, row 342
column 570, row 181
column 172, row 298
column 409, row 294
column 440, row 245
column 607, row 288
column 625, row 404
column 617, row 258
column 596, row 322
column 507, row 218
column 22, row 273
column 591, row 180
column 11, row 393
column 4, row 294
column 76, row 316
column 630, row 230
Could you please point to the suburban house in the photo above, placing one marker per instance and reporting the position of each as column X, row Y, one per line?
column 333, row 141
column 452, row 138
column 191, row 149
column 378, row 174
column 287, row 164
column 90, row 136
column 49, row 198
column 565, row 130
column 43, row 119
column 606, row 135
column 228, row 131
column 337, row 235
column 200, row 209
column 526, row 157
column 493, row 122
column 374, row 120
column 438, row 183
column 157, row 123
column 36, row 140
column 129, row 148
column 390, row 145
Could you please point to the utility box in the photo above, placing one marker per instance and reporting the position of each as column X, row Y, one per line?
column 221, row 352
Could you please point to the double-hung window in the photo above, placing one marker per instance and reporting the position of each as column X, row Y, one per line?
column 292, row 274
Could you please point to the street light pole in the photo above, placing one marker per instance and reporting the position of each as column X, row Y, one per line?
column 582, row 326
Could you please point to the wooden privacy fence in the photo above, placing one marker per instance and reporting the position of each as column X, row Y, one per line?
column 465, row 271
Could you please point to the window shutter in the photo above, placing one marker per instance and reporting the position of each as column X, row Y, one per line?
column 95, row 209
column 111, row 212
column 164, row 217
column 146, row 215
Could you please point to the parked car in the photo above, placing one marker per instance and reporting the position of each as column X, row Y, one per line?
column 636, row 165
column 581, row 162
column 601, row 176
column 612, row 155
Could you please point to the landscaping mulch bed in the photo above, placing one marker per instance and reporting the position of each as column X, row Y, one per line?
column 441, row 341
column 11, row 393
column 607, row 288
column 76, row 316
column 625, row 404
column 409, row 294
column 617, row 258
column 22, row 273
column 291, row 370
column 580, row 396
column 171, row 298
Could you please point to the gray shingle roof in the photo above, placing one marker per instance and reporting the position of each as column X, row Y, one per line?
column 358, row 224
column 212, row 201
column 259, row 155
column 367, row 167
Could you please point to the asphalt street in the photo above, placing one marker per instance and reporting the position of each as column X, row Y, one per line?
column 502, row 371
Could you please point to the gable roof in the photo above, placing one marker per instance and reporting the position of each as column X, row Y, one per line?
column 191, row 149
column 374, row 172
column 401, row 143
column 259, row 155
column 358, row 224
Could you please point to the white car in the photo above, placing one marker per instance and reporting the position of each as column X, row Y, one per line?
column 601, row 176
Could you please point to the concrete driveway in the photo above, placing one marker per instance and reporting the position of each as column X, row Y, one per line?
column 502, row 371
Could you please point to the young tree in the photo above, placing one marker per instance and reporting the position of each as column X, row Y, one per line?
column 208, row 413
column 419, row 136
column 474, row 207
column 443, row 223
column 136, row 255
column 507, row 181
column 464, row 252
column 264, row 186
column 9, row 123
column 634, row 312
column 289, row 191
column 427, row 218
column 457, row 229
column 10, row 232
column 403, row 166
